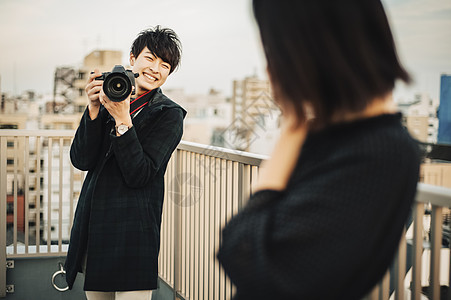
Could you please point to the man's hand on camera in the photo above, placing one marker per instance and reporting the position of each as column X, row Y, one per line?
column 120, row 111
column 92, row 89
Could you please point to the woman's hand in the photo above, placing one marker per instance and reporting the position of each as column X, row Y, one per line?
column 275, row 172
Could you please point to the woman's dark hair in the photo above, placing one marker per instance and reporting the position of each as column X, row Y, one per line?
column 161, row 42
column 336, row 56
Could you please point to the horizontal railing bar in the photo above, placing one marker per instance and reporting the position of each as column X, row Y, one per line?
column 228, row 154
column 46, row 133
column 219, row 152
column 37, row 255
column 436, row 195
column 32, row 251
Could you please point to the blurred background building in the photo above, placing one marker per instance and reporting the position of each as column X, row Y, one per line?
column 444, row 113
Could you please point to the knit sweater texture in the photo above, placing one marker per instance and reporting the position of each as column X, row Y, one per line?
column 333, row 232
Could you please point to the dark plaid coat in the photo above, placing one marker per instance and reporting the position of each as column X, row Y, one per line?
column 118, row 215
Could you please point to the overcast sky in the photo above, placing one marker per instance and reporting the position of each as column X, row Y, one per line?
column 219, row 38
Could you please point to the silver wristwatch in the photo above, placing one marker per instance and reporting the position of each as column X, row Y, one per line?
column 121, row 129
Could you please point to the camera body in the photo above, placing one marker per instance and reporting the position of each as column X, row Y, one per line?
column 118, row 84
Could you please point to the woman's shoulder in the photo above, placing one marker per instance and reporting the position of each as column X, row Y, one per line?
column 375, row 153
column 380, row 136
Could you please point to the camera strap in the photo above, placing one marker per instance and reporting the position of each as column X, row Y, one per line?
column 138, row 103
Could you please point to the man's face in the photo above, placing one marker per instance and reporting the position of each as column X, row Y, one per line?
column 152, row 70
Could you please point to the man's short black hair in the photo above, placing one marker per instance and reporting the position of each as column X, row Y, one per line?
column 161, row 42
column 336, row 56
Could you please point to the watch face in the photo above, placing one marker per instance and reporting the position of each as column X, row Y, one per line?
column 121, row 129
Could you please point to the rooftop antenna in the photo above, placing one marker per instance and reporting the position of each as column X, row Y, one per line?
column 98, row 41
column 14, row 79
column 85, row 46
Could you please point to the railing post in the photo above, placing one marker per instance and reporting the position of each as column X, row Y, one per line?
column 418, row 211
column 436, row 246
column 177, row 225
column 244, row 184
column 400, row 269
column 240, row 185
column 3, row 217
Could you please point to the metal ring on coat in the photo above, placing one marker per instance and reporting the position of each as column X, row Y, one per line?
column 62, row 272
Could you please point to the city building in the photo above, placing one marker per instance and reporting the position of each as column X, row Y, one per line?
column 63, row 91
column 420, row 117
column 28, row 185
column 20, row 212
column 19, row 162
column 255, row 116
column 207, row 115
column 104, row 60
column 444, row 113
column 436, row 173
column 69, row 95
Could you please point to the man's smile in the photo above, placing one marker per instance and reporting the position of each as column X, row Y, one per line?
column 150, row 77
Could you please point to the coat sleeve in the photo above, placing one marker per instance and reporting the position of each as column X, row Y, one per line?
column 86, row 146
column 140, row 158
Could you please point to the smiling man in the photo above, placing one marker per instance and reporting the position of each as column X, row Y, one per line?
column 125, row 147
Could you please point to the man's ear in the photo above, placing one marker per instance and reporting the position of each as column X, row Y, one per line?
column 132, row 59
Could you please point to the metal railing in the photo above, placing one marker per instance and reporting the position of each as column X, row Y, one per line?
column 429, row 263
column 205, row 186
column 36, row 176
column 46, row 185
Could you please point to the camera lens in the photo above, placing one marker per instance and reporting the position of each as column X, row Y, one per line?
column 117, row 87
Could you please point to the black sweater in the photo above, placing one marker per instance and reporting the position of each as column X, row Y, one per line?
column 333, row 232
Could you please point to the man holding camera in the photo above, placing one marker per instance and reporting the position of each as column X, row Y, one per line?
column 125, row 145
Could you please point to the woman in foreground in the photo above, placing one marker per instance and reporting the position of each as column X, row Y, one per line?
column 327, row 213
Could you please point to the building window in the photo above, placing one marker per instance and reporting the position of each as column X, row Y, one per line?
column 10, row 161
column 10, row 144
column 8, row 126
column 80, row 92
column 10, row 208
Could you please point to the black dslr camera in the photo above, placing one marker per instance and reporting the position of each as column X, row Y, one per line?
column 118, row 84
